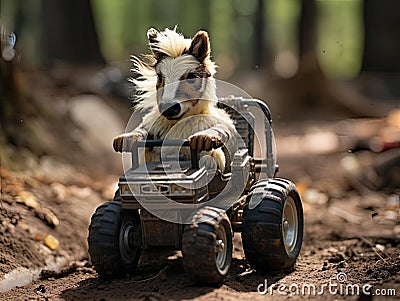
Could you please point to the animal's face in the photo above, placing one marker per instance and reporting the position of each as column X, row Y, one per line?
column 181, row 80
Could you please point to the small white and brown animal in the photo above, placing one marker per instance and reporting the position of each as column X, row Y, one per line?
column 177, row 88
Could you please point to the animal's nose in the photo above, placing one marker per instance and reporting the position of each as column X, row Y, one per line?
column 169, row 109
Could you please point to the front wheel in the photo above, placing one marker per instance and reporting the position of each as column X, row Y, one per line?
column 273, row 225
column 207, row 246
column 114, row 240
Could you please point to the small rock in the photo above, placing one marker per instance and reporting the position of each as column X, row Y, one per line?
column 391, row 215
column 333, row 250
column 380, row 247
column 41, row 289
column 8, row 199
column 48, row 216
column 393, row 202
column 28, row 199
column 61, row 192
column 314, row 196
column 396, row 230
column 336, row 258
column 51, row 242
column 351, row 166
column 343, row 264
column 10, row 228
column 81, row 192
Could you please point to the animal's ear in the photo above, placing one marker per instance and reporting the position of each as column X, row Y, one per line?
column 152, row 35
column 200, row 47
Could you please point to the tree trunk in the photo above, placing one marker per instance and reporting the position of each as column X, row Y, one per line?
column 307, row 37
column 261, row 52
column 68, row 32
column 382, row 36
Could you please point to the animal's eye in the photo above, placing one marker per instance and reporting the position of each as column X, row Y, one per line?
column 191, row 77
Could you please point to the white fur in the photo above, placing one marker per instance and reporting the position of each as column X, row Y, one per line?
column 174, row 68
column 202, row 116
column 171, row 43
column 145, row 85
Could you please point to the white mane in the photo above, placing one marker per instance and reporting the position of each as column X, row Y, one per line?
column 171, row 43
column 144, row 96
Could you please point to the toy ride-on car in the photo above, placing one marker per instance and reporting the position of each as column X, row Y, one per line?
column 177, row 204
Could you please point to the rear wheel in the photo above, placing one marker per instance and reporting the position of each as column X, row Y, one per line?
column 207, row 246
column 273, row 224
column 114, row 240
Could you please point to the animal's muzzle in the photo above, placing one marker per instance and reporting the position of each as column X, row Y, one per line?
column 169, row 109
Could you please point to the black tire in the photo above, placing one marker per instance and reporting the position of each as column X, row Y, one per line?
column 207, row 246
column 273, row 223
column 114, row 240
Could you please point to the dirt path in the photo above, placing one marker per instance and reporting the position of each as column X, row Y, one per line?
column 323, row 260
column 352, row 242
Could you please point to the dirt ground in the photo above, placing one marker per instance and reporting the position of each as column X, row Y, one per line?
column 351, row 247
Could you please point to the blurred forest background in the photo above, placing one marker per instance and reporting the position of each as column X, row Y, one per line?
column 308, row 59
column 328, row 69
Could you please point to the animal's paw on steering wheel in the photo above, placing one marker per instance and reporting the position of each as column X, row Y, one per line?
column 207, row 140
column 125, row 142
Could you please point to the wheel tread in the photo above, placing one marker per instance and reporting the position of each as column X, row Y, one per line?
column 103, row 241
column 198, row 245
column 262, row 233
